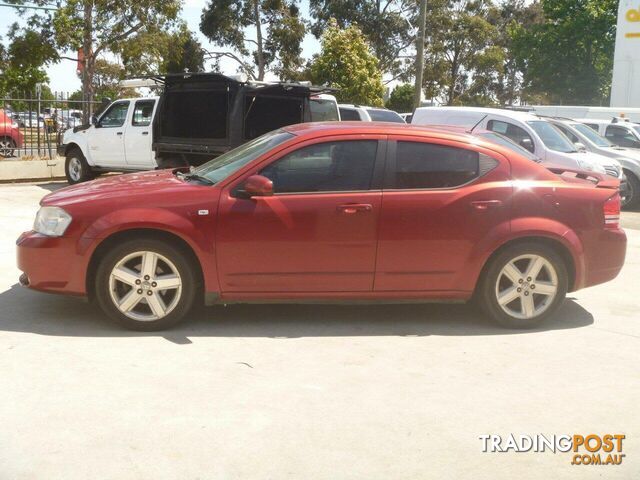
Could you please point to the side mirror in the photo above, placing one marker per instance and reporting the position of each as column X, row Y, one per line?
column 580, row 147
column 257, row 186
column 94, row 120
column 527, row 143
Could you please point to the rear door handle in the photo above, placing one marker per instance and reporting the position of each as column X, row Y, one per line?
column 351, row 208
column 486, row 204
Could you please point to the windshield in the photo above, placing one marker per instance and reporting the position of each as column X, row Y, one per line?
column 552, row 137
column 220, row 168
column 384, row 116
column 323, row 110
column 592, row 135
column 506, row 142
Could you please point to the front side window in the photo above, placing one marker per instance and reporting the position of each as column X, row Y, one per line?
column 552, row 137
column 513, row 132
column 115, row 116
column 568, row 133
column 142, row 113
column 325, row 167
column 637, row 129
column 510, row 144
column 424, row 165
column 591, row 135
column 619, row 133
column 349, row 115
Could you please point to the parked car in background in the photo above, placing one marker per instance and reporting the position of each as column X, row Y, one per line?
column 583, row 136
column 619, row 132
column 197, row 117
column 340, row 212
column 29, row 120
column 11, row 138
column 358, row 113
column 532, row 132
column 324, row 108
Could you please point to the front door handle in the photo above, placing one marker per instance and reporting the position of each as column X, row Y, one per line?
column 486, row 204
column 351, row 208
column 145, row 133
column 118, row 133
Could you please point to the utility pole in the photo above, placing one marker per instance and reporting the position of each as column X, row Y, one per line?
column 417, row 96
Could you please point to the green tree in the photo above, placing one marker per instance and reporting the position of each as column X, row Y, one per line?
column 347, row 64
column 386, row 25
column 568, row 58
column 277, row 31
column 401, row 98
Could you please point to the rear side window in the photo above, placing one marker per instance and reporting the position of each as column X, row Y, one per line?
column 142, row 113
column 349, row 115
column 264, row 113
column 423, row 165
column 325, row 167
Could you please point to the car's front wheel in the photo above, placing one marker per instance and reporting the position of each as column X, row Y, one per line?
column 523, row 285
column 146, row 284
column 76, row 167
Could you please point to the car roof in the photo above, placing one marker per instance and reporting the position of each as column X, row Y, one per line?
column 515, row 114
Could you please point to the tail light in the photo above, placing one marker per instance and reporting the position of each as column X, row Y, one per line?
column 611, row 210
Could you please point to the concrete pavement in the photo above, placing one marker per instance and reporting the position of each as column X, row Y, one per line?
column 308, row 392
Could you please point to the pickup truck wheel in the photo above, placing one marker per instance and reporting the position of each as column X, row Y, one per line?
column 7, row 146
column 523, row 285
column 76, row 167
column 146, row 284
column 631, row 197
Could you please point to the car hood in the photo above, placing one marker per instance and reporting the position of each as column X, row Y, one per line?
column 632, row 153
column 131, row 185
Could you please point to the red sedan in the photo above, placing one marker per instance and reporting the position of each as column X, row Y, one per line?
column 331, row 212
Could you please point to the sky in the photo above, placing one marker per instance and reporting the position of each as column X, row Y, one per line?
column 62, row 76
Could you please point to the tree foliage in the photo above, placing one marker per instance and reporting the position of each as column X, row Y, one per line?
column 347, row 63
column 386, row 24
column 262, row 34
column 401, row 98
column 568, row 58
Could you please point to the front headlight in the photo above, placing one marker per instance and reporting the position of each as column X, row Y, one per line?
column 51, row 221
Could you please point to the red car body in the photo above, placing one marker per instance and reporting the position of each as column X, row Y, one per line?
column 9, row 131
column 380, row 244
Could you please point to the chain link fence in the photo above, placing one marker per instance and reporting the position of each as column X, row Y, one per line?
column 31, row 127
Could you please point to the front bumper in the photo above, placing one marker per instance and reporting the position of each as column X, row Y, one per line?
column 51, row 264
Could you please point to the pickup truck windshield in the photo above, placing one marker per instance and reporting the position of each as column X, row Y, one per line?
column 592, row 135
column 221, row 167
column 552, row 137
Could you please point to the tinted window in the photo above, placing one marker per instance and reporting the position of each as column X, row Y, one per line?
column 567, row 133
column 552, row 137
column 513, row 132
column 142, row 113
column 425, row 165
column 510, row 144
column 349, row 115
column 115, row 116
column 325, row 167
column 384, row 116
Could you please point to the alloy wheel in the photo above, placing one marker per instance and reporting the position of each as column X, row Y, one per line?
column 526, row 286
column 145, row 286
column 75, row 169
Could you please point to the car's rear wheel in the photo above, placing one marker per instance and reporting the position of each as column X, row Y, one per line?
column 523, row 285
column 146, row 284
column 631, row 196
column 7, row 147
column 76, row 167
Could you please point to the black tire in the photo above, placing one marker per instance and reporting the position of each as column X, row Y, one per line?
column 182, row 262
column 8, row 147
column 632, row 198
column 76, row 168
column 487, row 295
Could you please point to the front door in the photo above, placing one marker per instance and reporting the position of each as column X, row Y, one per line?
column 440, row 202
column 317, row 233
column 106, row 139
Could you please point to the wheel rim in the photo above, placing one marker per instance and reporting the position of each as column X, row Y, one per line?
column 75, row 169
column 145, row 286
column 5, row 148
column 526, row 286
column 627, row 196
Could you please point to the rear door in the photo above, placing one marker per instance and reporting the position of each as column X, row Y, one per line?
column 137, row 137
column 317, row 233
column 441, row 201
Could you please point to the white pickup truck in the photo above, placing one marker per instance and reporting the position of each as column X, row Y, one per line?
column 196, row 118
column 118, row 140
